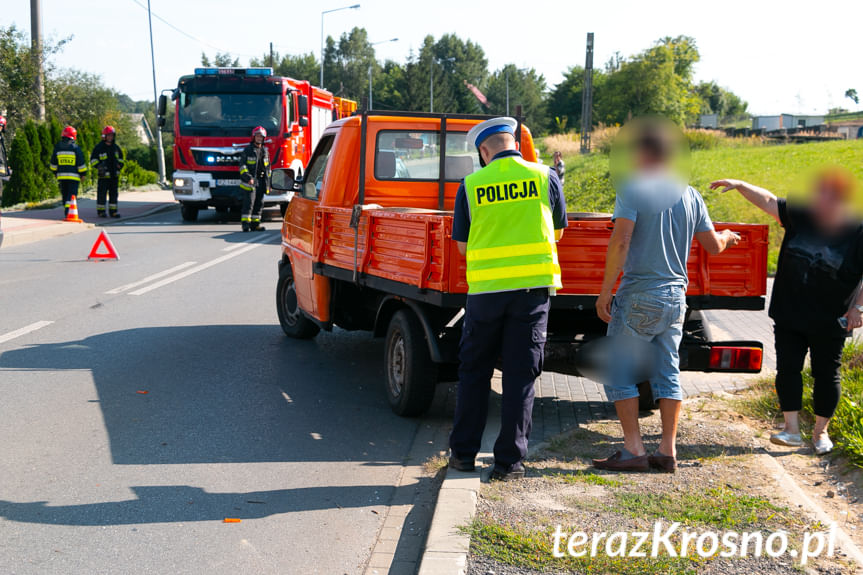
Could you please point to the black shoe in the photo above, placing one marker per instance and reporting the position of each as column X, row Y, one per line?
column 463, row 463
column 116, row 215
column 500, row 473
column 102, row 215
column 246, row 227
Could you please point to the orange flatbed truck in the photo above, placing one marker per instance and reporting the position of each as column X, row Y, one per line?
column 367, row 245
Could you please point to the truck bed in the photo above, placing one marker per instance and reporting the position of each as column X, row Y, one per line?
column 411, row 252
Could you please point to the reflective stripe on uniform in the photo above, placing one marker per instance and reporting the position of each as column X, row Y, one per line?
column 524, row 271
column 509, row 251
column 68, row 176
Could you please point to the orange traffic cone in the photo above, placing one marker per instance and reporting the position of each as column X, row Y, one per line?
column 72, row 215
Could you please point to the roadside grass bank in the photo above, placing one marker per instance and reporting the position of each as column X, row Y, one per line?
column 781, row 168
column 846, row 427
column 89, row 193
column 722, row 486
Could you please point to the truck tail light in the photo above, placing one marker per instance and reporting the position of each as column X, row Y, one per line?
column 729, row 358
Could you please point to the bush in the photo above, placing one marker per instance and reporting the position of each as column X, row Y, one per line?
column 134, row 175
column 24, row 186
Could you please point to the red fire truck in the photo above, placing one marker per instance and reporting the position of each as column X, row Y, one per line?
column 215, row 111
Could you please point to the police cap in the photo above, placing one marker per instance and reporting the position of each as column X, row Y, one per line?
column 483, row 130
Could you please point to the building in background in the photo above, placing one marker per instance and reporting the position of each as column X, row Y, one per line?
column 785, row 122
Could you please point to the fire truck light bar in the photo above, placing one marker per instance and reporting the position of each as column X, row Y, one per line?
column 233, row 71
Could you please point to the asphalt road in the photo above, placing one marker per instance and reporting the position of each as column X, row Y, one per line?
column 145, row 400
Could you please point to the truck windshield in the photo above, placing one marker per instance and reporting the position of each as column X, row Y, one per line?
column 229, row 114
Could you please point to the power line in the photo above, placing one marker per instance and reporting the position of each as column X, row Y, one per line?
column 191, row 37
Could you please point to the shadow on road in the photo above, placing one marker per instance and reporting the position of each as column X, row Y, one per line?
column 232, row 394
column 182, row 503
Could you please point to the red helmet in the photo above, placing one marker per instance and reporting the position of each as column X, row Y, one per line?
column 70, row 132
column 2, row 122
column 259, row 130
column 108, row 130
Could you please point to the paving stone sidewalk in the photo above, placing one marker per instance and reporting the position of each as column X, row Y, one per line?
column 564, row 401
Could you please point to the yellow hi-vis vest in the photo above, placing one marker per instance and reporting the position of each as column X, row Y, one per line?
column 511, row 242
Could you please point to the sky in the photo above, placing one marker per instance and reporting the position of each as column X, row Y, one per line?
column 791, row 57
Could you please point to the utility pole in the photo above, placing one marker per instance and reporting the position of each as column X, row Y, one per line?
column 507, row 91
column 160, row 146
column 587, row 97
column 271, row 55
column 37, row 56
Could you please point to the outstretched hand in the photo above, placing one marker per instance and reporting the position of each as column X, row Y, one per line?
column 726, row 185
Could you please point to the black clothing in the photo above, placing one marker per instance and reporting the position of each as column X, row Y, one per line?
column 108, row 159
column 107, row 189
column 825, row 356
column 817, row 274
column 67, row 161
column 254, row 164
column 68, row 188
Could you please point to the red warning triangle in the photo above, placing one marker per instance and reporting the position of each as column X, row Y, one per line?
column 103, row 241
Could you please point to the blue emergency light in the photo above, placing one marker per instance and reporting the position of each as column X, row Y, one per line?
column 233, row 71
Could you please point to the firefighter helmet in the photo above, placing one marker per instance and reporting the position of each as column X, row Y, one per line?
column 70, row 132
column 108, row 130
column 259, row 130
column 2, row 122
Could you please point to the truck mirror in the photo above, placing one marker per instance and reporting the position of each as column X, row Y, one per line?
column 304, row 122
column 282, row 180
column 163, row 105
column 303, row 105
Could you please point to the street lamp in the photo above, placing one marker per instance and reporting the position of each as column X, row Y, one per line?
column 520, row 71
column 352, row 7
column 431, row 79
column 372, row 65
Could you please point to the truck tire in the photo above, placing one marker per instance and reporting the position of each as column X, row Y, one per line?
column 293, row 322
column 410, row 373
column 189, row 212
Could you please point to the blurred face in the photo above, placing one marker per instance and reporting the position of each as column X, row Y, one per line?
column 259, row 139
column 109, row 138
column 829, row 204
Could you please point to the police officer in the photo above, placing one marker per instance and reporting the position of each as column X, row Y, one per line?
column 68, row 164
column 254, row 179
column 108, row 158
column 508, row 218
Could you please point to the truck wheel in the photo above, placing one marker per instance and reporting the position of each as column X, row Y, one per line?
column 411, row 374
column 189, row 213
column 645, row 397
column 294, row 323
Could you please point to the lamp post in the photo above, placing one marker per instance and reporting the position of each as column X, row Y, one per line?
column 160, row 147
column 371, row 107
column 431, row 79
column 520, row 71
column 324, row 12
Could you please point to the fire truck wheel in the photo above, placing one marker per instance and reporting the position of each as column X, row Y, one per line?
column 189, row 213
column 410, row 373
column 293, row 322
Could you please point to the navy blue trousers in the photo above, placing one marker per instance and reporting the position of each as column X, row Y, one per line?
column 510, row 326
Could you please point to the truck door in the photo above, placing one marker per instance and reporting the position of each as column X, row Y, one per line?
column 301, row 224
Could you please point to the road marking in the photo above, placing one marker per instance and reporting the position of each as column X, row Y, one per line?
column 24, row 330
column 257, row 240
column 150, row 278
column 198, row 268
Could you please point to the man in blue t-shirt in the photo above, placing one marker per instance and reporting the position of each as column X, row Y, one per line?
column 656, row 216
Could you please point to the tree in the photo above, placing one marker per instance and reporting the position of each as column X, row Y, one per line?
column 526, row 89
column 24, row 185
column 717, row 100
column 851, row 93
column 300, row 67
column 220, row 60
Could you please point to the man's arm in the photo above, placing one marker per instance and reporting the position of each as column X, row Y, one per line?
column 461, row 220
column 716, row 242
column 558, row 204
column 618, row 249
column 854, row 317
column 763, row 199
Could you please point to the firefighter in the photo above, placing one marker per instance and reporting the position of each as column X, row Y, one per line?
column 108, row 158
column 68, row 164
column 4, row 159
column 508, row 218
column 254, row 180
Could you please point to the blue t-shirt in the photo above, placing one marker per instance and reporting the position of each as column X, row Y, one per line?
column 667, row 214
column 461, row 217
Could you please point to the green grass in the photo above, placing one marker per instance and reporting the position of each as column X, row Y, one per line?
column 846, row 427
column 718, row 507
column 588, row 477
column 533, row 549
column 783, row 169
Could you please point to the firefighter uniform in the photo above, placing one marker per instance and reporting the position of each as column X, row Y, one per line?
column 254, row 164
column 69, row 165
column 507, row 213
column 108, row 159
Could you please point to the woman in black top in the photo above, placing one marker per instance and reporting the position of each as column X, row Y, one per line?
column 816, row 299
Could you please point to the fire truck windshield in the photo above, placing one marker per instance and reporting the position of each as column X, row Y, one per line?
column 228, row 114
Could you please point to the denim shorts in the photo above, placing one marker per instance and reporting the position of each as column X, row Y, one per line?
column 655, row 316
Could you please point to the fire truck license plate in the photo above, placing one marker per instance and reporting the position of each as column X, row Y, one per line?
column 227, row 182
